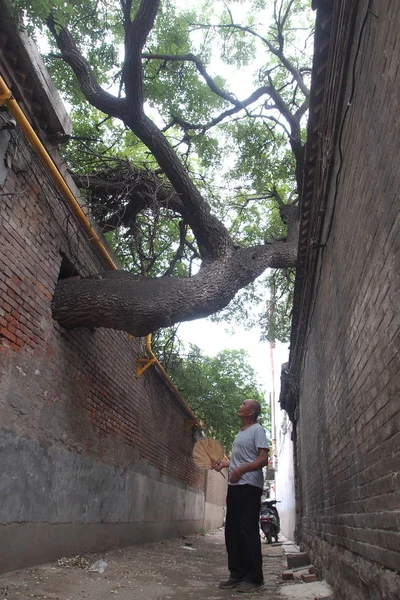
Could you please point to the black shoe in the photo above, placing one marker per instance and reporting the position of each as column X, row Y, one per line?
column 247, row 587
column 230, row 583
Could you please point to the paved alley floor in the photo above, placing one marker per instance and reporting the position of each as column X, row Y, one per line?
column 187, row 568
column 179, row 569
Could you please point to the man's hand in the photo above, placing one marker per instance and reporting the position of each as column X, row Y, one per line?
column 236, row 474
column 222, row 464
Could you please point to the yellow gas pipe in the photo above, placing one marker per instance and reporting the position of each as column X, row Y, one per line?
column 7, row 99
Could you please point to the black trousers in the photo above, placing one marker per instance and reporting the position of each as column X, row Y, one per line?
column 242, row 535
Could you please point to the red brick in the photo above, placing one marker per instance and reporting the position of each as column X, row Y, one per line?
column 91, row 373
column 7, row 334
column 309, row 577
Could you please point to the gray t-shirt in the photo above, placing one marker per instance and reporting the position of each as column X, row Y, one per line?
column 245, row 449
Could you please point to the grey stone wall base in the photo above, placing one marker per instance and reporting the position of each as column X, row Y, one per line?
column 56, row 503
column 29, row 544
column 351, row 576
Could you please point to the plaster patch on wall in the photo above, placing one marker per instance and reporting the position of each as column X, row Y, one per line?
column 42, row 483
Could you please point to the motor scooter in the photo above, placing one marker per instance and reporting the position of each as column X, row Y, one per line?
column 270, row 523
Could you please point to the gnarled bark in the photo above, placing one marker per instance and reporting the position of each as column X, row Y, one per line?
column 140, row 305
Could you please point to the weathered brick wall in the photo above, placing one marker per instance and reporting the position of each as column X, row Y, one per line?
column 100, row 457
column 349, row 409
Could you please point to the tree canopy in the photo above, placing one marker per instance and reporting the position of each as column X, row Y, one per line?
column 215, row 387
column 196, row 186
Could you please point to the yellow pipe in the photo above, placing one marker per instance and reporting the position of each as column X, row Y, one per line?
column 8, row 100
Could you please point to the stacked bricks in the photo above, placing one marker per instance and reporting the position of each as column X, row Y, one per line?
column 74, row 388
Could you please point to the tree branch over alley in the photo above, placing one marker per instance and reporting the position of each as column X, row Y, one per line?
column 140, row 304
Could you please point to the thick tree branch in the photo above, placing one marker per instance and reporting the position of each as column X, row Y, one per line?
column 136, row 34
column 290, row 214
column 212, row 236
column 140, row 305
column 93, row 92
column 126, row 6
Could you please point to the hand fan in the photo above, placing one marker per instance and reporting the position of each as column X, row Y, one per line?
column 207, row 452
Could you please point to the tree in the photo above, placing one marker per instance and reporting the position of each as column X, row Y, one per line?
column 215, row 387
column 124, row 196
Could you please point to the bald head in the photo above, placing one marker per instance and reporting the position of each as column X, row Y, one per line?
column 256, row 406
column 249, row 410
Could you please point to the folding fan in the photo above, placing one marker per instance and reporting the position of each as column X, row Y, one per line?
column 207, row 452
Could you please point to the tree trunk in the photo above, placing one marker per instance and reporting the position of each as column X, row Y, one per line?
column 140, row 305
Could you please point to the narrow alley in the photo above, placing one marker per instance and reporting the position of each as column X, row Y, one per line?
column 186, row 568
column 236, row 159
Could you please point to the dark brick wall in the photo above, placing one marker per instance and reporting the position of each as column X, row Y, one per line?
column 348, row 419
column 75, row 390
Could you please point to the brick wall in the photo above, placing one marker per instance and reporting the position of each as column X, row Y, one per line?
column 86, row 447
column 348, row 417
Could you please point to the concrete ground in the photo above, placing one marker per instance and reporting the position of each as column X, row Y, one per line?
column 179, row 569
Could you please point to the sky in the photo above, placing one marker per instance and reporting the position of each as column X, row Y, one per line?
column 214, row 337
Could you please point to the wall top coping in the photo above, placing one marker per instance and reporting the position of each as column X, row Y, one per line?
column 26, row 75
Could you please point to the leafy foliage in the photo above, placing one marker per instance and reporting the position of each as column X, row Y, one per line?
column 215, row 387
column 274, row 322
column 244, row 157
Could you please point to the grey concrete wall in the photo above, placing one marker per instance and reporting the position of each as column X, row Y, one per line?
column 53, row 502
column 216, row 487
column 213, row 516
